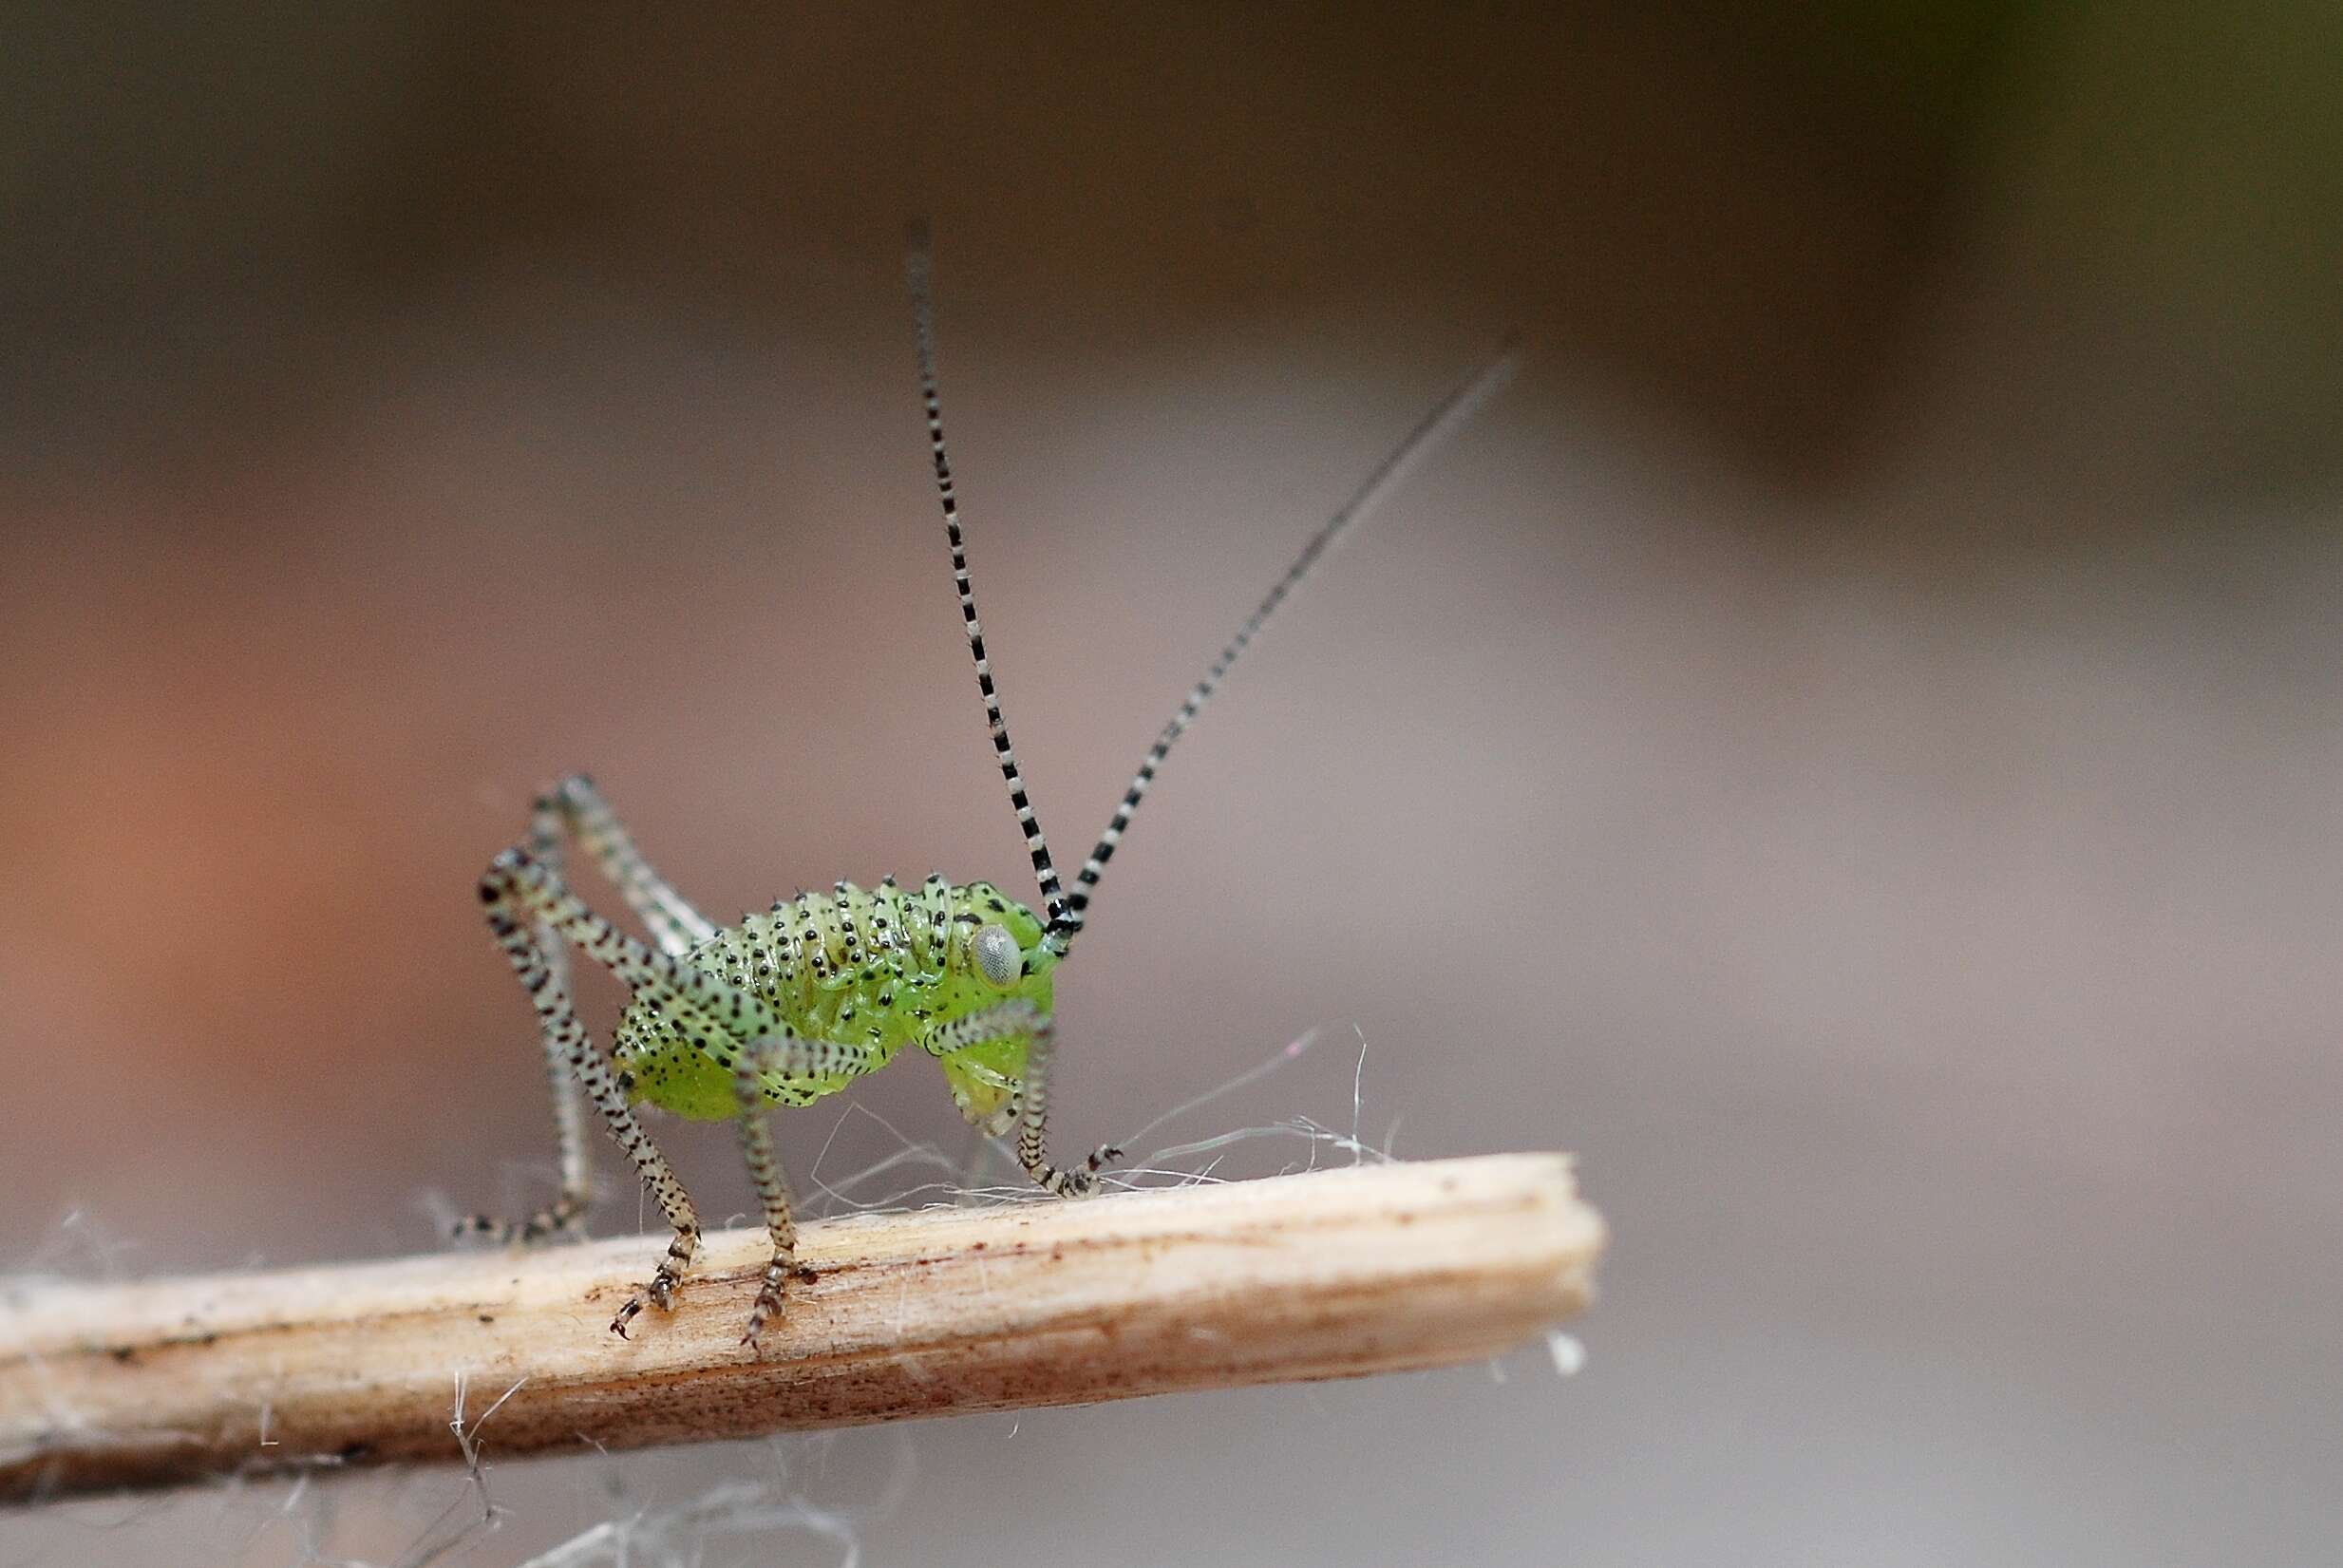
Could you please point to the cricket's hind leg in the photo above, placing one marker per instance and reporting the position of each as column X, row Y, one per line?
column 574, row 810
column 532, row 914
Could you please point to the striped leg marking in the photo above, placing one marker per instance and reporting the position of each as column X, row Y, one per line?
column 1011, row 1017
column 531, row 914
column 791, row 1057
column 574, row 810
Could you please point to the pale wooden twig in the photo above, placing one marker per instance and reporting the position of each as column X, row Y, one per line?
column 1338, row 1273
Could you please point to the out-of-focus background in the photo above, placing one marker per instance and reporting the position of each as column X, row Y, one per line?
column 1851, row 742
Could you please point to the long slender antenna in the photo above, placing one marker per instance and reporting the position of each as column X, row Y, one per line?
column 919, row 270
column 1445, row 416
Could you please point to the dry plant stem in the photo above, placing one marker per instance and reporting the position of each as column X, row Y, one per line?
column 1335, row 1274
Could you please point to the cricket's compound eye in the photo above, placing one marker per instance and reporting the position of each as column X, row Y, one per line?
column 998, row 958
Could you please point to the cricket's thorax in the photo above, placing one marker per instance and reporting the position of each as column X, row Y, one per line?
column 872, row 970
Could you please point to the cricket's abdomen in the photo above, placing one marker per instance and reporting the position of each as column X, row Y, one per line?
column 870, row 970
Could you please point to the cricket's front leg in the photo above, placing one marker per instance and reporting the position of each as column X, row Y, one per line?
column 1031, row 1095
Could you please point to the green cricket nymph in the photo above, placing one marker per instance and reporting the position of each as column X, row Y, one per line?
column 789, row 1005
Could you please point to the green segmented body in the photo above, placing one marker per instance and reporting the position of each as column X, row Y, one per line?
column 867, row 969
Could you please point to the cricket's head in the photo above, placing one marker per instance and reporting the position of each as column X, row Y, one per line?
column 1004, row 957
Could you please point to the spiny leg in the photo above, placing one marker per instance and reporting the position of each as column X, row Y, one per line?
column 576, row 807
column 787, row 1057
column 1018, row 1016
column 562, row 1081
column 575, row 810
column 707, row 1008
column 533, row 946
column 756, row 1135
column 524, row 900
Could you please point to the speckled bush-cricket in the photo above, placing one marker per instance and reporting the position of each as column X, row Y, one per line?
column 788, row 1006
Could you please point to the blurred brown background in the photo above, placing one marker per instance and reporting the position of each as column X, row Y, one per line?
column 1849, row 744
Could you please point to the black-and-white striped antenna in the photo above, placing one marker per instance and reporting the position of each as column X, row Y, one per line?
column 1065, row 910
column 1445, row 415
column 918, row 268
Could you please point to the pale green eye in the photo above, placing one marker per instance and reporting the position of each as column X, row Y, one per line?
column 998, row 958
